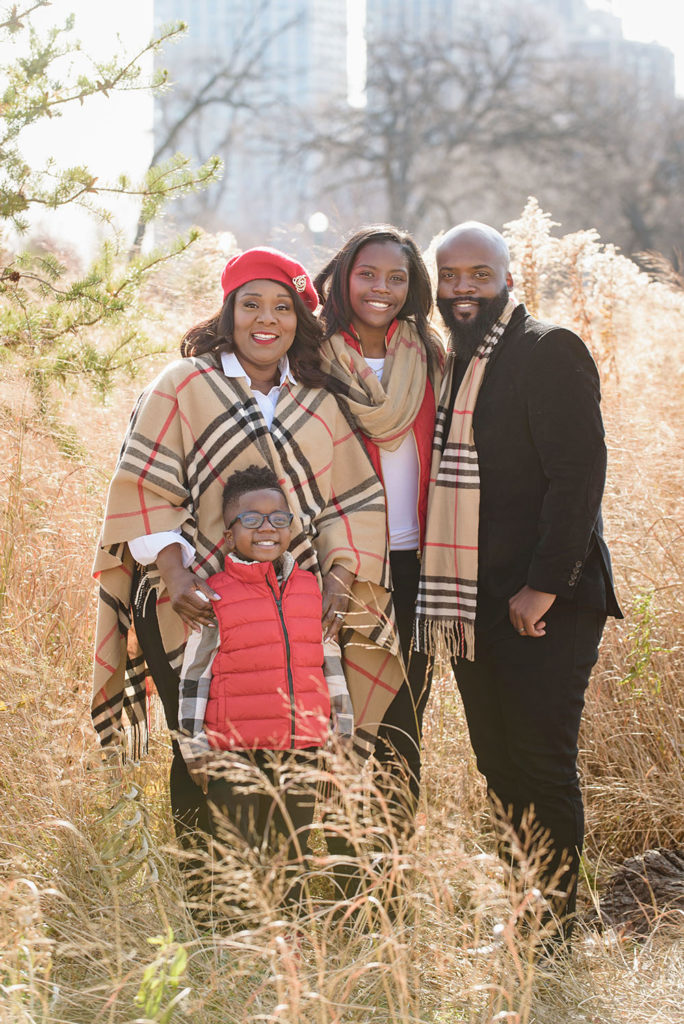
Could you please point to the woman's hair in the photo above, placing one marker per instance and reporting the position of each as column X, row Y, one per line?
column 243, row 481
column 216, row 334
column 332, row 283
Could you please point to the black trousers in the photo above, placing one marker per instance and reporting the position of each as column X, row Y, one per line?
column 188, row 802
column 398, row 743
column 523, row 701
column 400, row 734
column 266, row 799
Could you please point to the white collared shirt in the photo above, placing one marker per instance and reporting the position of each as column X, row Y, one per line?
column 232, row 367
column 145, row 549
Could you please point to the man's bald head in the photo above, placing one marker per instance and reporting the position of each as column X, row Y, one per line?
column 475, row 231
column 473, row 282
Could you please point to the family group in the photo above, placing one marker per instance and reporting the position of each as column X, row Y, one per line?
column 319, row 498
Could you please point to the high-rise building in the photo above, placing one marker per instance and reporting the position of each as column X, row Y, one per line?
column 412, row 19
column 571, row 25
column 277, row 62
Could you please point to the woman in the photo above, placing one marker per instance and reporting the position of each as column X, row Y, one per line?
column 384, row 365
column 246, row 392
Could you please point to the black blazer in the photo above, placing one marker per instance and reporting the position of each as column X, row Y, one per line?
column 542, row 457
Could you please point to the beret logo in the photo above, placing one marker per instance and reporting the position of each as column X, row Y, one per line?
column 299, row 282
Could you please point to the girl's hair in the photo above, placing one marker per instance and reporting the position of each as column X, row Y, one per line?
column 332, row 283
column 254, row 478
column 216, row 334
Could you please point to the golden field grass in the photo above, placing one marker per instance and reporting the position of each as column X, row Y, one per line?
column 81, row 942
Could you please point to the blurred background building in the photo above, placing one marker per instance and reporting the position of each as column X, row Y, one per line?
column 464, row 110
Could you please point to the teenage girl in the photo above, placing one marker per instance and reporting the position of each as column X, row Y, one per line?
column 384, row 365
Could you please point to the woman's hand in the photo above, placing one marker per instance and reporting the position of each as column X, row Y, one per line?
column 190, row 596
column 336, row 592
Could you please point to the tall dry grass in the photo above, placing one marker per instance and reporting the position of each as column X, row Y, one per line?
column 92, row 923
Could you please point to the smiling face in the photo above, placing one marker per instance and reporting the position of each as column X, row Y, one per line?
column 264, row 326
column 378, row 286
column 264, row 543
column 473, row 284
column 472, row 270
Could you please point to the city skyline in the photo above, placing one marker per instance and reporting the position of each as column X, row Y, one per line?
column 298, row 59
column 121, row 140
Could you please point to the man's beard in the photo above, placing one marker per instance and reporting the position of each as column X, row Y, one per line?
column 467, row 335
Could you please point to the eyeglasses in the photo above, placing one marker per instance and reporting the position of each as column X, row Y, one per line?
column 279, row 520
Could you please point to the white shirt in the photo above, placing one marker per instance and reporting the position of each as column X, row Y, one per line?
column 267, row 403
column 146, row 548
column 401, row 476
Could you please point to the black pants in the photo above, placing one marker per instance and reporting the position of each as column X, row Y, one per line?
column 398, row 743
column 523, row 700
column 188, row 802
column 399, row 737
column 265, row 800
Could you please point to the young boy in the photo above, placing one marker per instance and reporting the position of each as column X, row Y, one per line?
column 254, row 699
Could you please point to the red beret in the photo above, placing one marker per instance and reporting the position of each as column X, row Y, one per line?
column 270, row 265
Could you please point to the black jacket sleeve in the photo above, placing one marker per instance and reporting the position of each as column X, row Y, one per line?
column 567, row 430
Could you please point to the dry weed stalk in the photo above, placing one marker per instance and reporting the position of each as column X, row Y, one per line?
column 534, row 253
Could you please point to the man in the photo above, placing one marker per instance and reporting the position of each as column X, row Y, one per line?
column 516, row 578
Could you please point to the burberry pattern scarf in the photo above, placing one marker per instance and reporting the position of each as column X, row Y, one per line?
column 384, row 411
column 447, row 593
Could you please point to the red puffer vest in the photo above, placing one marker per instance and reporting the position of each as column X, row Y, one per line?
column 267, row 687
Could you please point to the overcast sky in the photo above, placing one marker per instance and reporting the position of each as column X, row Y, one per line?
column 110, row 136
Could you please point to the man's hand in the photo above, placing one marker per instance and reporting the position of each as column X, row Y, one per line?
column 526, row 610
column 190, row 596
column 336, row 588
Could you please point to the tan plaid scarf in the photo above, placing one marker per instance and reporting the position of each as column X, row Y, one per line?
column 447, row 594
column 384, row 411
column 190, row 430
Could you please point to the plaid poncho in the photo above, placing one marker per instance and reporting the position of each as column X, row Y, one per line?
column 190, row 430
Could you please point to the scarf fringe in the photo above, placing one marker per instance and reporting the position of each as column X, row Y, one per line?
column 445, row 640
column 148, row 584
column 135, row 742
column 156, row 716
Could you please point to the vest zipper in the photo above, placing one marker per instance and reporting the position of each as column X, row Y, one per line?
column 290, row 680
